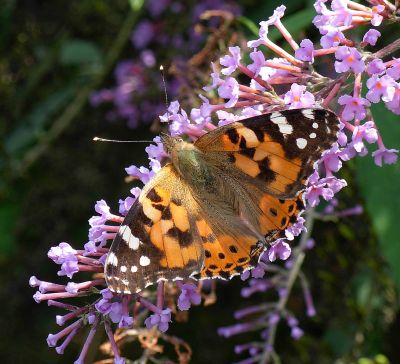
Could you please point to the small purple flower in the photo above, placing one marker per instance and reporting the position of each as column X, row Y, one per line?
column 306, row 51
column 258, row 62
column 156, row 151
column 296, row 229
column 279, row 12
column 98, row 97
column 350, row 59
column 142, row 173
column 380, row 87
column 157, row 7
column 332, row 38
column 59, row 254
column 296, row 332
column 231, row 62
column 339, row 5
column 189, row 296
column 126, row 321
column 385, row 156
column 143, row 34
column 229, row 89
column 148, row 58
column 371, row 37
column 333, row 183
column 279, row 250
column 320, row 7
column 258, row 271
column 298, row 97
column 331, row 159
column 178, row 118
column 263, row 33
column 161, row 320
column 323, row 23
column 354, row 107
column 317, row 188
column 126, row 204
column 394, row 70
column 104, row 304
column 394, row 104
column 376, row 67
column 115, row 312
column 274, row 318
column 202, row 115
column 103, row 210
column 225, row 117
column 377, row 18
column 363, row 132
column 215, row 79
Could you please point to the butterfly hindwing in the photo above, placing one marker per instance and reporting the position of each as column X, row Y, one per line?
column 227, row 255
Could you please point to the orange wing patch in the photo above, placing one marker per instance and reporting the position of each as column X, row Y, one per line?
column 226, row 256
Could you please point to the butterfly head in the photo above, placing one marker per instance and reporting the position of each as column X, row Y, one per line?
column 173, row 145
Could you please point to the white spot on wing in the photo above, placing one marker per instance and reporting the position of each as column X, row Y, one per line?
column 308, row 113
column 315, row 125
column 283, row 125
column 112, row 259
column 132, row 241
column 123, row 268
column 313, row 135
column 301, row 143
column 125, row 282
column 144, row 261
column 134, row 269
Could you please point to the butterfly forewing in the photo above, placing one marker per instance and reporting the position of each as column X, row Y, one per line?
column 275, row 151
column 158, row 240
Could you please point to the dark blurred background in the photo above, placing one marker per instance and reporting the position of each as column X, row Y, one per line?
column 61, row 64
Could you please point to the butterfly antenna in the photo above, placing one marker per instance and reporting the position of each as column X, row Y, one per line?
column 165, row 91
column 97, row 139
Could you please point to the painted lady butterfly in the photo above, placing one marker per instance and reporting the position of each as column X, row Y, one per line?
column 221, row 201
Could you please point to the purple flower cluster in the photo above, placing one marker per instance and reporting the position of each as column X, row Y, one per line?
column 156, row 40
column 282, row 82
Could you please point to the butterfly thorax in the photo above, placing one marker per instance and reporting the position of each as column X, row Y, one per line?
column 188, row 161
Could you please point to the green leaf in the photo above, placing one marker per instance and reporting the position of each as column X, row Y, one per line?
column 34, row 124
column 136, row 5
column 380, row 187
column 77, row 51
column 249, row 24
column 8, row 215
column 340, row 339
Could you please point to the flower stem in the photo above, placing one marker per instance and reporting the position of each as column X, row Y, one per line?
column 292, row 277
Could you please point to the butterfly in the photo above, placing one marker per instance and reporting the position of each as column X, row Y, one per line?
column 220, row 201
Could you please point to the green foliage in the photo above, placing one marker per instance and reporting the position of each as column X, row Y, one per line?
column 77, row 51
column 381, row 188
column 33, row 125
column 136, row 5
column 8, row 214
